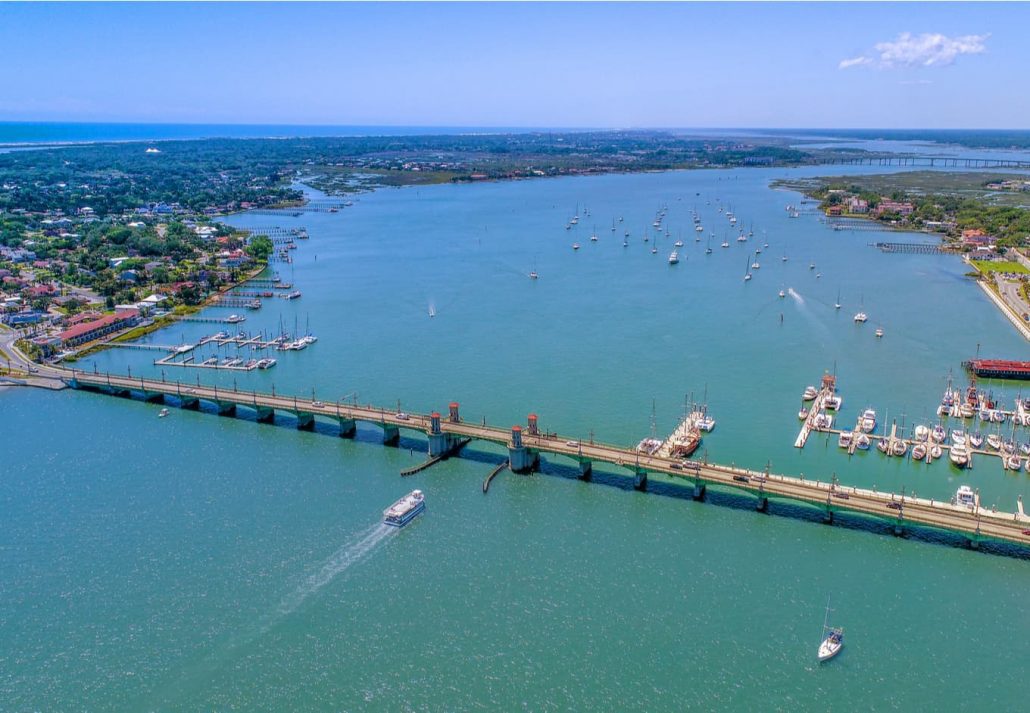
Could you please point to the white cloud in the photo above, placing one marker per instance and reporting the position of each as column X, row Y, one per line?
column 912, row 82
column 925, row 50
column 854, row 62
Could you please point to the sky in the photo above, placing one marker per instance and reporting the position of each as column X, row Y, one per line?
column 610, row 65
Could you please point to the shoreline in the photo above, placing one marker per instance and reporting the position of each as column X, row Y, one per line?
column 1020, row 326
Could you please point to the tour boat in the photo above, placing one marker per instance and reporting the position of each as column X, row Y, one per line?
column 810, row 393
column 965, row 496
column 705, row 423
column 861, row 317
column 674, row 257
column 959, row 456
column 162, row 413
column 845, row 438
column 404, row 510
column 833, row 638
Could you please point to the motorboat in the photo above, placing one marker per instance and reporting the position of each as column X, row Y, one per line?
column 832, row 402
column 162, row 413
column 959, row 455
column 861, row 317
column 964, row 496
column 810, row 393
column 802, row 414
column 868, row 420
column 674, row 257
column 879, row 332
column 404, row 510
column 845, row 439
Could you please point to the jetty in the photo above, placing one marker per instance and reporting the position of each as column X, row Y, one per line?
column 525, row 445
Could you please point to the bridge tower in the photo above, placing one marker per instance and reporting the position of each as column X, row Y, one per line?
column 522, row 459
column 440, row 443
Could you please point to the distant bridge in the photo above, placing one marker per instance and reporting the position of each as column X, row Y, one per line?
column 930, row 162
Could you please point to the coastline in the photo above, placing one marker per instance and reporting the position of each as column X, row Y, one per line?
column 1020, row 326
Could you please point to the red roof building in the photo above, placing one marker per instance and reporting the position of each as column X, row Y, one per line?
column 88, row 331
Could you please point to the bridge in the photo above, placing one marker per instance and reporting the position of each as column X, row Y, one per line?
column 447, row 434
column 928, row 161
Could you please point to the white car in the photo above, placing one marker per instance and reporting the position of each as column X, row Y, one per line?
column 317, row 403
column 403, row 416
column 574, row 444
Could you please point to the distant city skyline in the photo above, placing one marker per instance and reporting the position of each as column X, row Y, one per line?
column 577, row 65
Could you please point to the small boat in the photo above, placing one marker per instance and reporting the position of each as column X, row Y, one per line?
column 162, row 413
column 833, row 638
column 938, row 433
column 959, row 455
column 810, row 393
column 533, row 275
column 964, row 496
column 976, row 440
column 862, row 442
column 899, row 447
column 674, row 257
column 575, row 246
column 921, row 432
column 936, row 451
column 845, row 438
column 782, row 294
column 1013, row 463
column 919, row 451
column 868, row 421
column 861, row 317
column 994, row 441
column 811, row 266
column 879, row 332
column 404, row 510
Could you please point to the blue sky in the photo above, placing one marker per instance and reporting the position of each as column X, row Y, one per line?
column 577, row 65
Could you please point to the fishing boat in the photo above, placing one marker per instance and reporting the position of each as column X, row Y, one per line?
column 833, row 638
column 964, row 496
column 405, row 510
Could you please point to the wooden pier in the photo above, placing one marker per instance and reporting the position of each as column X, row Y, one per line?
column 919, row 248
column 976, row 524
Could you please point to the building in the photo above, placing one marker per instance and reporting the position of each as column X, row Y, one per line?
column 889, row 206
column 857, row 205
column 87, row 331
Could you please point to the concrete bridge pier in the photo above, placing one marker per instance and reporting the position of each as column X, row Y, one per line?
column 763, row 504
column 226, row 408
column 828, row 516
column 265, row 414
column 347, row 427
column 521, row 458
column 973, row 543
column 391, row 435
column 586, row 470
column 154, row 397
column 700, row 490
column 899, row 530
column 305, row 421
column 640, row 480
column 191, row 403
column 441, row 444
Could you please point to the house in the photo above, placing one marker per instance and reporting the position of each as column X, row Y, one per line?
column 88, row 331
column 128, row 276
column 857, row 205
column 890, row 206
column 834, row 210
column 976, row 238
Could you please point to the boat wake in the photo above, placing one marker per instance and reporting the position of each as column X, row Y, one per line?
column 353, row 551
column 795, row 296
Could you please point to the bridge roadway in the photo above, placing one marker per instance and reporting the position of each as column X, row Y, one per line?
column 977, row 524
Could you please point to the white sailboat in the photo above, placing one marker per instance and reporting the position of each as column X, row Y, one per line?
column 833, row 638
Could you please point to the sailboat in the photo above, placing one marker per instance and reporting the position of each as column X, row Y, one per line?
column 708, row 250
column 593, row 235
column 833, row 638
column 836, row 304
column 747, row 269
column 613, row 225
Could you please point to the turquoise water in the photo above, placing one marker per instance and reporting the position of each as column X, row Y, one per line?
column 197, row 562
